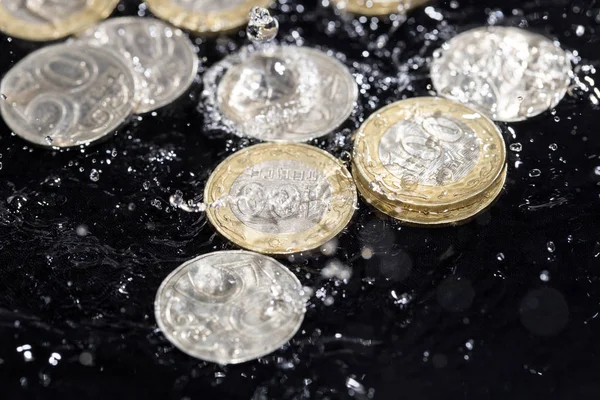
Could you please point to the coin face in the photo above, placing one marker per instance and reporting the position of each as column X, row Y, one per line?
column 284, row 94
column 458, row 215
column 67, row 95
column 428, row 153
column 509, row 74
column 280, row 198
column 230, row 307
column 205, row 16
column 163, row 58
column 377, row 7
column 51, row 19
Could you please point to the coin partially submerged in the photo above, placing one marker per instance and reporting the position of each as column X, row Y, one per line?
column 51, row 19
column 422, row 157
column 205, row 16
column 163, row 58
column 508, row 73
column 283, row 93
column 377, row 7
column 280, row 198
column 230, row 307
column 67, row 95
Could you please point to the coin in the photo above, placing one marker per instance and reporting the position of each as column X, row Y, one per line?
column 67, row 95
column 428, row 153
column 205, row 16
column 447, row 217
column 283, row 94
column 229, row 307
column 163, row 58
column 508, row 73
column 377, row 7
column 280, row 198
column 51, row 19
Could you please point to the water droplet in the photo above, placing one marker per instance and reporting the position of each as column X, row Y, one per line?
column 580, row 30
column 544, row 276
column 597, row 170
column 94, row 175
column 553, row 146
column 516, row 147
column 146, row 185
column 81, row 230
column 262, row 27
column 551, row 247
column 49, row 140
column 534, row 173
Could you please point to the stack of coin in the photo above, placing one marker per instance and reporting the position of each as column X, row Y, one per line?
column 377, row 7
column 280, row 198
column 429, row 161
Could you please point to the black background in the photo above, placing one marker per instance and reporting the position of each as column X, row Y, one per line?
column 478, row 323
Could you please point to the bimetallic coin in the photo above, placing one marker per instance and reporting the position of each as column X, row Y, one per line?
column 51, row 19
column 284, row 94
column 67, row 95
column 205, row 16
column 447, row 217
column 509, row 74
column 280, row 198
column 163, row 58
column 230, row 307
column 428, row 153
column 377, row 7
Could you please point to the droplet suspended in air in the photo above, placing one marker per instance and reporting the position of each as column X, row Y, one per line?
column 262, row 27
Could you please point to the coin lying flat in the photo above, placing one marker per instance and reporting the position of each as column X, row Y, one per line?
column 230, row 307
column 51, row 19
column 163, row 58
column 447, row 217
column 508, row 73
column 280, row 198
column 205, row 16
column 67, row 95
column 377, row 7
column 283, row 94
column 428, row 154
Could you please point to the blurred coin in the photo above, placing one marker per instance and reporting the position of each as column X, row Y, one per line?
column 163, row 58
column 284, row 93
column 51, row 19
column 229, row 307
column 377, row 7
column 205, row 16
column 428, row 153
column 508, row 73
column 280, row 198
column 67, row 95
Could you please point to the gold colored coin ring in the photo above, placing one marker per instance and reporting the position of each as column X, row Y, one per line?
column 360, row 7
column 368, row 166
column 204, row 23
column 95, row 11
column 450, row 217
column 336, row 218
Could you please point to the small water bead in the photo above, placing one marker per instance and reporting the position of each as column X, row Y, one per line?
column 94, row 175
column 262, row 27
column 516, row 147
column 534, row 173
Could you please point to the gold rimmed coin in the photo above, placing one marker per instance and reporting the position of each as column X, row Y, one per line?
column 377, row 7
column 280, row 198
column 429, row 154
column 205, row 16
column 449, row 217
column 51, row 20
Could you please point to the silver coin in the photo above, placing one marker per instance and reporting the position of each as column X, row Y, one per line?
column 162, row 57
column 280, row 197
column 230, row 307
column 44, row 11
column 509, row 74
column 283, row 93
column 437, row 150
column 67, row 95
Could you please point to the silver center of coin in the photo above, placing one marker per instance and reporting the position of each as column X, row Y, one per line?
column 429, row 150
column 230, row 306
column 67, row 95
column 209, row 5
column 163, row 59
column 44, row 11
column 283, row 196
column 508, row 73
column 283, row 93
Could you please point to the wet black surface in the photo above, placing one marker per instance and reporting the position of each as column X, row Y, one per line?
column 505, row 307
